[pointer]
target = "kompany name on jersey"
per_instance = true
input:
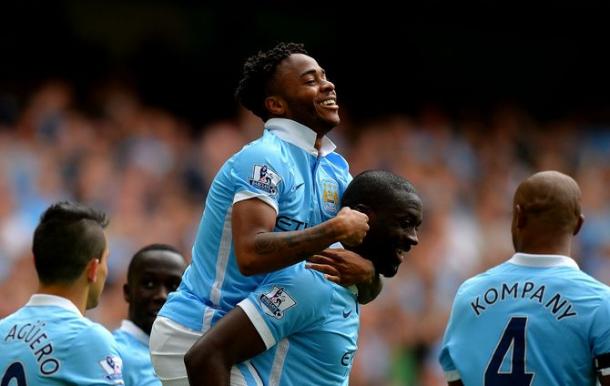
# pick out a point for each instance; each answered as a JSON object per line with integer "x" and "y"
{"x": 34, "y": 336}
{"x": 275, "y": 302}
{"x": 554, "y": 302}
{"x": 265, "y": 179}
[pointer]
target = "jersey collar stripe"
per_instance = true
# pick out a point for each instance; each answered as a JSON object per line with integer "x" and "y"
{"x": 44, "y": 300}
{"x": 299, "y": 135}
{"x": 130, "y": 327}
{"x": 543, "y": 261}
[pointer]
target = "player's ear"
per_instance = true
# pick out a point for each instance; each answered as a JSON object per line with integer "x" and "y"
{"x": 126, "y": 292}
{"x": 275, "y": 106}
{"x": 579, "y": 222}
{"x": 520, "y": 218}
{"x": 91, "y": 270}
{"x": 366, "y": 210}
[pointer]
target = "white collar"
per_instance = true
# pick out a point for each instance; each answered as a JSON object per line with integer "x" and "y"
{"x": 130, "y": 327}
{"x": 42, "y": 300}
{"x": 299, "y": 135}
{"x": 534, "y": 260}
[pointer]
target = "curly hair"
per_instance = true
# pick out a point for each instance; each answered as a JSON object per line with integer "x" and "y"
{"x": 256, "y": 74}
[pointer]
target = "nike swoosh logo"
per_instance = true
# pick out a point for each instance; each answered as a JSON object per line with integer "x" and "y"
{"x": 298, "y": 186}
{"x": 346, "y": 314}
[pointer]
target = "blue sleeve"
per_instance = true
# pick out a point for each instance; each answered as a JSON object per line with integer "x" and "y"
{"x": 96, "y": 359}
{"x": 600, "y": 329}
{"x": 286, "y": 304}
{"x": 261, "y": 172}
{"x": 445, "y": 358}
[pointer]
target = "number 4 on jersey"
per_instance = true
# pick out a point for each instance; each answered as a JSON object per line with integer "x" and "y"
{"x": 514, "y": 335}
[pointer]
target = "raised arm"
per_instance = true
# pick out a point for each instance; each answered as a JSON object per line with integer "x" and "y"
{"x": 260, "y": 250}
{"x": 232, "y": 340}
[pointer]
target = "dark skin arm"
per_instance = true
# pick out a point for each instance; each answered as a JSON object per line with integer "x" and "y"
{"x": 260, "y": 250}
{"x": 455, "y": 383}
{"x": 347, "y": 268}
{"x": 605, "y": 380}
{"x": 232, "y": 340}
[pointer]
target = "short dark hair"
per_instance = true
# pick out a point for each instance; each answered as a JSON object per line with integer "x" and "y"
{"x": 68, "y": 236}
{"x": 142, "y": 251}
{"x": 373, "y": 188}
{"x": 258, "y": 70}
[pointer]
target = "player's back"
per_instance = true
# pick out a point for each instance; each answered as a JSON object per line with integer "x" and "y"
{"x": 44, "y": 344}
{"x": 309, "y": 325}
{"x": 534, "y": 320}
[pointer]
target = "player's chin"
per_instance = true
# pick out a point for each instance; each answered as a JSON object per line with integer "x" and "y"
{"x": 389, "y": 270}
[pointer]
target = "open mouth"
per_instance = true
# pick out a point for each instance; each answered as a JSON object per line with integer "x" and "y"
{"x": 330, "y": 103}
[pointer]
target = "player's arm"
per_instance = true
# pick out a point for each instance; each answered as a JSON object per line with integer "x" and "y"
{"x": 232, "y": 340}
{"x": 602, "y": 366}
{"x": 455, "y": 383}
{"x": 347, "y": 268}
{"x": 260, "y": 250}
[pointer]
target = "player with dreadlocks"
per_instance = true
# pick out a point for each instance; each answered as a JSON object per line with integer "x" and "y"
{"x": 271, "y": 205}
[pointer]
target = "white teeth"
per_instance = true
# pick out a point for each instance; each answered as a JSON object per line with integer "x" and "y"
{"x": 329, "y": 102}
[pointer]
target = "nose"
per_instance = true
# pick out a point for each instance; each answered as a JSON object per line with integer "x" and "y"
{"x": 412, "y": 236}
{"x": 328, "y": 85}
{"x": 161, "y": 294}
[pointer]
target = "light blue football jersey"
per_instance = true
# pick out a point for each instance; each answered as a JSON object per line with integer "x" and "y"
{"x": 283, "y": 169}
{"x": 132, "y": 343}
{"x": 49, "y": 342}
{"x": 309, "y": 325}
{"x": 535, "y": 320}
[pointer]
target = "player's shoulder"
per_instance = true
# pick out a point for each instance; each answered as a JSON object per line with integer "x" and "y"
{"x": 95, "y": 333}
{"x": 307, "y": 285}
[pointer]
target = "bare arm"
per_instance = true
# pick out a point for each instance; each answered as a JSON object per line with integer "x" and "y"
{"x": 455, "y": 383}
{"x": 260, "y": 250}
{"x": 232, "y": 340}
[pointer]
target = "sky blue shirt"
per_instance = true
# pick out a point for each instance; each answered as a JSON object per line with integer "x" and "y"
{"x": 283, "y": 169}
{"x": 309, "y": 325}
{"x": 534, "y": 320}
{"x": 49, "y": 342}
{"x": 133, "y": 347}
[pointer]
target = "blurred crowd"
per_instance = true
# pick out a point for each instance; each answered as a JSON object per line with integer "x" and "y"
{"x": 149, "y": 170}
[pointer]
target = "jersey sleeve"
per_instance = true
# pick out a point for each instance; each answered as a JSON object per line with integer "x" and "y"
{"x": 260, "y": 172}
{"x": 96, "y": 359}
{"x": 600, "y": 329}
{"x": 445, "y": 359}
{"x": 283, "y": 305}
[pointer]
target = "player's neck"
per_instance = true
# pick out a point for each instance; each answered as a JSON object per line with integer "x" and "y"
{"x": 70, "y": 292}
{"x": 538, "y": 246}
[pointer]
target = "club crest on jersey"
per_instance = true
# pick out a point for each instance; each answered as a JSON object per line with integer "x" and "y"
{"x": 264, "y": 178}
{"x": 112, "y": 365}
{"x": 330, "y": 196}
{"x": 276, "y": 302}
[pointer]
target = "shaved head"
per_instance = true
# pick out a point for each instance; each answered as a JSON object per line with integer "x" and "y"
{"x": 547, "y": 205}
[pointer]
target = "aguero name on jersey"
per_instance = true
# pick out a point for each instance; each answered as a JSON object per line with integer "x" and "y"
{"x": 283, "y": 169}
{"x": 133, "y": 347}
{"x": 49, "y": 342}
{"x": 535, "y": 320}
{"x": 309, "y": 326}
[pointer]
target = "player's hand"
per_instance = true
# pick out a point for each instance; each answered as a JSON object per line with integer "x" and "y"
{"x": 353, "y": 225}
{"x": 342, "y": 266}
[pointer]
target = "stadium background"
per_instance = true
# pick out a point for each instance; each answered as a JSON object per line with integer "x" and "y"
{"x": 127, "y": 106}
